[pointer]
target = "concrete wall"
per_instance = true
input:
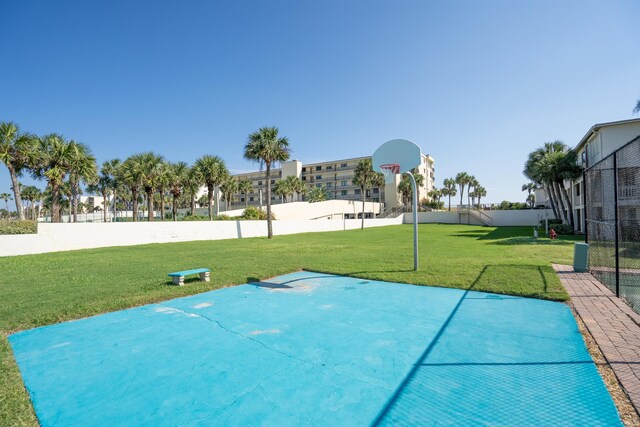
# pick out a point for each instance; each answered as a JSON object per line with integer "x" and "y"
{"x": 499, "y": 218}
{"x": 332, "y": 209}
{"x": 64, "y": 237}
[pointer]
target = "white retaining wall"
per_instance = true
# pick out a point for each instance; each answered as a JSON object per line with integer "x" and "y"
{"x": 64, "y": 237}
{"x": 500, "y": 218}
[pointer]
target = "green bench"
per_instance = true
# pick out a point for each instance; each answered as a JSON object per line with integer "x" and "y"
{"x": 178, "y": 276}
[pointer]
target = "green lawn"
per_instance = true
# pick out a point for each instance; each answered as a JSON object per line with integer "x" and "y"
{"x": 38, "y": 290}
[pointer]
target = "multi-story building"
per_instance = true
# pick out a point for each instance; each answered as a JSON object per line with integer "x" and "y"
{"x": 336, "y": 177}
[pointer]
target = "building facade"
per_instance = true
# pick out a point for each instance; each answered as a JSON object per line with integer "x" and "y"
{"x": 336, "y": 177}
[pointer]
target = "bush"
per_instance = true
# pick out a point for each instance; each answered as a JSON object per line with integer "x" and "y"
{"x": 562, "y": 228}
{"x": 18, "y": 227}
{"x": 255, "y": 213}
{"x": 195, "y": 218}
{"x": 552, "y": 222}
{"x": 223, "y": 217}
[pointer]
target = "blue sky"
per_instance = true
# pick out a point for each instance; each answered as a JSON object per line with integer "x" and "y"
{"x": 477, "y": 84}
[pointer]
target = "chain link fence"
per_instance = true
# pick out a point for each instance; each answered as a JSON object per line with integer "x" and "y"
{"x": 612, "y": 200}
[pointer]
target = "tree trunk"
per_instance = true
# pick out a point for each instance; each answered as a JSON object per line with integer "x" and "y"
{"x": 246, "y": 201}
{"x": 560, "y": 202}
{"x": 217, "y": 197}
{"x": 134, "y": 200}
{"x": 569, "y": 203}
{"x": 449, "y": 202}
{"x": 547, "y": 190}
{"x": 74, "y": 207}
{"x": 150, "y": 214}
{"x": 193, "y": 204}
{"x": 174, "y": 208}
{"x": 115, "y": 202}
{"x": 363, "y": 201}
{"x": 104, "y": 206}
{"x": 161, "y": 204}
{"x": 461, "y": 193}
{"x": 210, "y": 200}
{"x": 16, "y": 191}
{"x": 269, "y": 229}
{"x": 55, "y": 203}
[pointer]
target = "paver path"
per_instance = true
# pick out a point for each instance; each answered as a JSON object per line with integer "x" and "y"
{"x": 611, "y": 322}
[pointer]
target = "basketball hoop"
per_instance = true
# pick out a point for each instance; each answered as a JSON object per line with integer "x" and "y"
{"x": 390, "y": 170}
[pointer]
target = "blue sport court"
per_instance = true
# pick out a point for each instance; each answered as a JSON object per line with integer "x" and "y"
{"x": 317, "y": 349}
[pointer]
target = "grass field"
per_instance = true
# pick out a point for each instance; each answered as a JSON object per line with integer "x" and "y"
{"x": 38, "y": 290}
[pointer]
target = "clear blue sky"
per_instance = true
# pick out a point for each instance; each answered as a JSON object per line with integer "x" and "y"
{"x": 477, "y": 84}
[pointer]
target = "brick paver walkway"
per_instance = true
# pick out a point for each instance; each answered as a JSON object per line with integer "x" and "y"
{"x": 614, "y": 326}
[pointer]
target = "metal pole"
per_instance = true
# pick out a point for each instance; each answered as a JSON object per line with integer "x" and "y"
{"x": 615, "y": 205}
{"x": 415, "y": 220}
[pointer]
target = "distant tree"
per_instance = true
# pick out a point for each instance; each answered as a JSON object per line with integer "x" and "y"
{"x": 192, "y": 185}
{"x": 366, "y": 178}
{"x": 462, "y": 179}
{"x": 480, "y": 193}
{"x": 111, "y": 173}
{"x": 449, "y": 189}
{"x": 531, "y": 199}
{"x": 282, "y": 189}
{"x": 54, "y": 166}
{"x": 229, "y": 188}
{"x": 636, "y": 110}
{"x": 267, "y": 148}
{"x": 6, "y": 197}
{"x": 318, "y": 194}
{"x": 163, "y": 182}
{"x": 178, "y": 178}
{"x": 82, "y": 167}
{"x": 295, "y": 186}
{"x": 130, "y": 173}
{"x": 405, "y": 188}
{"x": 245, "y": 187}
{"x": 18, "y": 151}
{"x": 212, "y": 170}
{"x": 473, "y": 182}
{"x": 529, "y": 187}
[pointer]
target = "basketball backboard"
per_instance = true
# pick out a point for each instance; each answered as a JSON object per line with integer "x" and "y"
{"x": 401, "y": 152}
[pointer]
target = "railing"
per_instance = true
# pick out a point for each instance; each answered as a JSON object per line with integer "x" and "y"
{"x": 475, "y": 213}
{"x": 392, "y": 213}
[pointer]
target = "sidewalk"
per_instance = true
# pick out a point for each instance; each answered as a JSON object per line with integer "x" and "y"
{"x": 612, "y": 323}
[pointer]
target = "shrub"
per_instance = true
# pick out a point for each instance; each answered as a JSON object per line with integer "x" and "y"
{"x": 562, "y": 228}
{"x": 255, "y": 213}
{"x": 195, "y": 218}
{"x": 18, "y": 227}
{"x": 552, "y": 222}
{"x": 223, "y": 217}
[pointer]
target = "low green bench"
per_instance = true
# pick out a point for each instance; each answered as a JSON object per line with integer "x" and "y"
{"x": 178, "y": 276}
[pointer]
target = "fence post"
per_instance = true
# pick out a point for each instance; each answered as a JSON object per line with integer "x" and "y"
{"x": 584, "y": 206}
{"x": 615, "y": 204}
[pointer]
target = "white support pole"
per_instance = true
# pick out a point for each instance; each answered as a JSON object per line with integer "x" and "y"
{"x": 414, "y": 187}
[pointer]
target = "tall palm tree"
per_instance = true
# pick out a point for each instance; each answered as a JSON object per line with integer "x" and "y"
{"x": 229, "y": 188}
{"x": 462, "y": 179}
{"x": 480, "y": 193}
{"x": 406, "y": 189}
{"x": 212, "y": 170}
{"x": 192, "y": 184}
{"x": 57, "y": 155}
{"x": 111, "y": 170}
{"x": 29, "y": 193}
{"x": 365, "y": 178}
{"x": 529, "y": 187}
{"x": 130, "y": 174}
{"x": 473, "y": 182}
{"x": 282, "y": 188}
{"x": 318, "y": 194}
{"x": 245, "y": 187}
{"x": 102, "y": 186}
{"x": 296, "y": 185}
{"x": 449, "y": 189}
{"x": 163, "y": 182}
{"x": 6, "y": 197}
{"x": 267, "y": 148}
{"x": 177, "y": 179}
{"x": 82, "y": 167}
{"x": 18, "y": 151}
{"x": 151, "y": 166}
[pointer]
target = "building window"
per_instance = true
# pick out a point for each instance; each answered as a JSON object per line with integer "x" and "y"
{"x": 343, "y": 165}
{"x": 329, "y": 168}
{"x": 242, "y": 199}
{"x": 273, "y": 181}
{"x": 259, "y": 182}
{"x": 329, "y": 185}
{"x": 304, "y": 178}
{"x": 343, "y": 192}
{"x": 318, "y": 176}
{"x": 357, "y": 192}
{"x": 368, "y": 193}
{"x": 318, "y": 185}
{"x": 318, "y": 168}
{"x": 376, "y": 190}
{"x": 251, "y": 199}
{"x": 343, "y": 183}
{"x": 304, "y": 169}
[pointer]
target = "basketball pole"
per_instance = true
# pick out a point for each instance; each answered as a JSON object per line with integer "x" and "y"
{"x": 415, "y": 220}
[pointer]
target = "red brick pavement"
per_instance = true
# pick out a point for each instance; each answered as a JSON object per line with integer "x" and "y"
{"x": 611, "y": 322}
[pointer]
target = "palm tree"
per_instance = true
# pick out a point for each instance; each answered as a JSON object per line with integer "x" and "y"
{"x": 57, "y": 155}
{"x": 245, "y": 187}
{"x": 282, "y": 189}
{"x": 365, "y": 178}
{"x": 636, "y": 110}
{"x": 462, "y": 179}
{"x": 267, "y": 148}
{"x": 82, "y": 167}
{"x": 480, "y": 193}
{"x": 6, "y": 197}
{"x": 151, "y": 166}
{"x": 18, "y": 151}
{"x": 406, "y": 189}
{"x": 213, "y": 171}
{"x": 295, "y": 186}
{"x": 449, "y": 189}
{"x": 178, "y": 177}
{"x": 473, "y": 182}
{"x": 531, "y": 199}
{"x": 130, "y": 174}
{"x": 102, "y": 186}
{"x": 318, "y": 194}
{"x": 29, "y": 193}
{"x": 111, "y": 170}
{"x": 192, "y": 184}
{"x": 163, "y": 182}
{"x": 529, "y": 187}
{"x": 229, "y": 188}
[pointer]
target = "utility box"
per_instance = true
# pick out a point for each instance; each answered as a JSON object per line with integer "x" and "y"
{"x": 581, "y": 257}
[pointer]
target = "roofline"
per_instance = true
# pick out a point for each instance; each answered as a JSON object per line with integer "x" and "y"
{"x": 598, "y": 126}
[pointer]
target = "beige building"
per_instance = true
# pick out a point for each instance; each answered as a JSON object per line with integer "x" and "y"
{"x": 336, "y": 177}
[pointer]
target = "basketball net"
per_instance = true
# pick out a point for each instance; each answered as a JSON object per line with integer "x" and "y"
{"x": 390, "y": 170}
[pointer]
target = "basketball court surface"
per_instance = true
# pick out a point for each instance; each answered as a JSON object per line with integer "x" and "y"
{"x": 318, "y": 349}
